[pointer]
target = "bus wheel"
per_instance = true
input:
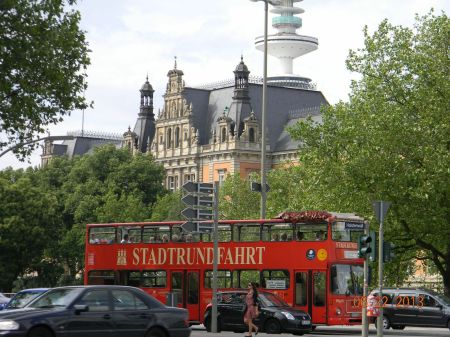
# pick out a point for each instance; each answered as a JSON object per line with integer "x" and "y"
{"x": 156, "y": 332}
{"x": 272, "y": 326}
{"x": 40, "y": 332}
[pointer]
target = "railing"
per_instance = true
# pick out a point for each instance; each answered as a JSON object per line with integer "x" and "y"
{"x": 95, "y": 134}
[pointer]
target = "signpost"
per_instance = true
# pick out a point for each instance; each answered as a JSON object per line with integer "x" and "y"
{"x": 202, "y": 199}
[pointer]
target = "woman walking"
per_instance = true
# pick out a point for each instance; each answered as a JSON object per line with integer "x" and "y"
{"x": 251, "y": 311}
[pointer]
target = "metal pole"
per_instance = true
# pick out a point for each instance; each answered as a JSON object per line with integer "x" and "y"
{"x": 365, "y": 322}
{"x": 263, "y": 117}
{"x": 380, "y": 274}
{"x": 215, "y": 256}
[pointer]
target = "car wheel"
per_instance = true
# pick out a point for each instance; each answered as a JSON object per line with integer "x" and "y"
{"x": 386, "y": 323}
{"x": 272, "y": 326}
{"x": 156, "y": 332}
{"x": 40, "y": 332}
{"x": 208, "y": 324}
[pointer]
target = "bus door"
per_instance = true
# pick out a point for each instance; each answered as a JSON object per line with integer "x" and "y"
{"x": 185, "y": 286}
{"x": 310, "y": 294}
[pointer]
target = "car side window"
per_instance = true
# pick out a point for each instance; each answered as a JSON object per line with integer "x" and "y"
{"x": 427, "y": 300}
{"x": 96, "y": 300}
{"x": 126, "y": 300}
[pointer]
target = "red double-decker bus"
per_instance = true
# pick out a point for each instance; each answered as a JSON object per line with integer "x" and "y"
{"x": 310, "y": 259}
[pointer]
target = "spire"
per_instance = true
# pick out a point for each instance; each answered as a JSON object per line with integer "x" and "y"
{"x": 241, "y": 81}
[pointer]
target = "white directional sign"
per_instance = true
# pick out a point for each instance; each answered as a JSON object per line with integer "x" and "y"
{"x": 199, "y": 198}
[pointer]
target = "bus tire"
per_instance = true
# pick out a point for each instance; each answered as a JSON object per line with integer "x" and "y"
{"x": 40, "y": 332}
{"x": 272, "y": 326}
{"x": 156, "y": 332}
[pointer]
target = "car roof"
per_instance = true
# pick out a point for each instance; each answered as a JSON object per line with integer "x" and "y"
{"x": 405, "y": 290}
{"x": 33, "y": 290}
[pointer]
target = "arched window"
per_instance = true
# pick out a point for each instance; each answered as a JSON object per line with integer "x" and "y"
{"x": 177, "y": 137}
{"x": 169, "y": 138}
{"x": 224, "y": 135}
{"x": 251, "y": 135}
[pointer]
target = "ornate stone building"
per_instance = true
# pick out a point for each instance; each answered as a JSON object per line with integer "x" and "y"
{"x": 203, "y": 134}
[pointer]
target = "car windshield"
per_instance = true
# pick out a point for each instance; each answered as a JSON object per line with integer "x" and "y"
{"x": 56, "y": 298}
{"x": 444, "y": 299}
{"x": 23, "y": 298}
{"x": 271, "y": 300}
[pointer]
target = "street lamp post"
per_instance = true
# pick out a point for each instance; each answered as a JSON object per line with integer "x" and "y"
{"x": 264, "y": 108}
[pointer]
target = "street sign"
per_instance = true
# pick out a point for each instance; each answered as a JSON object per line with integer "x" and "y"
{"x": 380, "y": 208}
{"x": 199, "y": 214}
{"x": 197, "y": 227}
{"x": 191, "y": 187}
{"x": 198, "y": 200}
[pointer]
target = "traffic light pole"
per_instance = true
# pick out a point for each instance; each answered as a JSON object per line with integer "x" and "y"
{"x": 365, "y": 322}
{"x": 215, "y": 256}
{"x": 380, "y": 274}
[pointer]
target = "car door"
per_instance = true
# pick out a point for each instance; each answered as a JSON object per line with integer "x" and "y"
{"x": 429, "y": 312}
{"x": 404, "y": 311}
{"x": 231, "y": 309}
{"x": 130, "y": 314}
{"x": 96, "y": 321}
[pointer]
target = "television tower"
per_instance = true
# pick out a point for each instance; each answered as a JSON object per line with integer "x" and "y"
{"x": 286, "y": 44}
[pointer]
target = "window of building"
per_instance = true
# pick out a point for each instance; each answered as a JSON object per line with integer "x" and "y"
{"x": 177, "y": 137}
{"x": 224, "y": 135}
{"x": 251, "y": 135}
{"x": 222, "y": 174}
{"x": 171, "y": 183}
{"x": 169, "y": 138}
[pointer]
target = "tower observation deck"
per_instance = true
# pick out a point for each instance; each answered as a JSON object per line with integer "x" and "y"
{"x": 286, "y": 44}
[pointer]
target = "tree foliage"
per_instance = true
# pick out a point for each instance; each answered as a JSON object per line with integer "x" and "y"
{"x": 45, "y": 211}
{"x": 391, "y": 140}
{"x": 43, "y": 61}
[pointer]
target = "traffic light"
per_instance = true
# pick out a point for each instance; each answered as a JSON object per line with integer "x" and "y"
{"x": 367, "y": 246}
{"x": 388, "y": 251}
{"x": 364, "y": 248}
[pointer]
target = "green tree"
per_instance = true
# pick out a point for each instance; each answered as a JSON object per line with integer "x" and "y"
{"x": 168, "y": 207}
{"x": 43, "y": 61}
{"x": 391, "y": 140}
{"x": 236, "y": 201}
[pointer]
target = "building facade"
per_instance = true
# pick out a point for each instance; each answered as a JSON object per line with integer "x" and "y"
{"x": 205, "y": 133}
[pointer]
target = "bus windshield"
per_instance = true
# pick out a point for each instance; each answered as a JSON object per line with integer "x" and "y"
{"x": 347, "y": 279}
{"x": 347, "y": 231}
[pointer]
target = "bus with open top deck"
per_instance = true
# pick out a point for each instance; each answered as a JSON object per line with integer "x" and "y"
{"x": 309, "y": 258}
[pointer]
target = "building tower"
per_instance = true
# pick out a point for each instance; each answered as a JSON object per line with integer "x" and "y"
{"x": 286, "y": 44}
{"x": 144, "y": 129}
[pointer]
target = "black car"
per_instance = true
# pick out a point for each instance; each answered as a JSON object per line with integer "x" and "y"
{"x": 95, "y": 311}
{"x": 410, "y": 307}
{"x": 275, "y": 316}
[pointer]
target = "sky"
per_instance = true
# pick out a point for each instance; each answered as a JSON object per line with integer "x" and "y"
{"x": 130, "y": 39}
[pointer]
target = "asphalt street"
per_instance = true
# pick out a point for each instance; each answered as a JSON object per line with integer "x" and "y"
{"x": 341, "y": 331}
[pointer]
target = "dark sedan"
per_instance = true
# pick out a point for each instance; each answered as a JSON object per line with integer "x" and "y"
{"x": 275, "y": 316}
{"x": 95, "y": 311}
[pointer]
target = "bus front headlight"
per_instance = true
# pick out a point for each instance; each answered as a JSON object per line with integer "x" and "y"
{"x": 6, "y": 325}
